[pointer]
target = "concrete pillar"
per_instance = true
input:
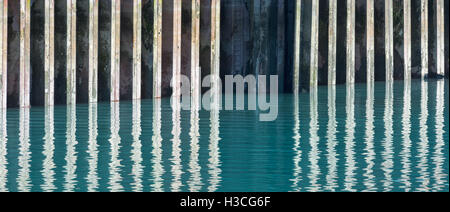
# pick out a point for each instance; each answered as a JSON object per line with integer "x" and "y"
{"x": 296, "y": 80}
{"x": 93, "y": 50}
{"x": 137, "y": 53}
{"x": 3, "y": 53}
{"x": 332, "y": 32}
{"x": 195, "y": 54}
{"x": 157, "y": 48}
{"x": 424, "y": 37}
{"x": 49, "y": 52}
{"x": 407, "y": 38}
{"x": 314, "y": 66}
{"x": 389, "y": 40}
{"x": 370, "y": 41}
{"x": 115, "y": 50}
{"x": 440, "y": 24}
{"x": 176, "y": 54}
{"x": 71, "y": 52}
{"x": 350, "y": 76}
{"x": 24, "y": 75}
{"x": 215, "y": 52}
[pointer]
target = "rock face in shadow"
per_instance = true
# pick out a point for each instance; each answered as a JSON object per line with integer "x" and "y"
{"x": 257, "y": 38}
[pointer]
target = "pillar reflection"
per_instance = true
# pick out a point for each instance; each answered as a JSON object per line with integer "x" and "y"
{"x": 158, "y": 168}
{"x": 297, "y": 150}
{"x": 214, "y": 151}
{"x": 23, "y": 179}
{"x": 369, "y": 150}
{"x": 314, "y": 141}
{"x": 423, "y": 145}
{"x": 3, "y": 151}
{"x": 350, "y": 164}
{"x": 176, "y": 149}
{"x": 71, "y": 155}
{"x": 438, "y": 158}
{"x": 136, "y": 156}
{"x": 406, "y": 131}
{"x": 388, "y": 153}
{"x": 331, "y": 140}
{"x": 195, "y": 181}
{"x": 114, "y": 165}
{"x": 92, "y": 177}
{"x": 49, "y": 151}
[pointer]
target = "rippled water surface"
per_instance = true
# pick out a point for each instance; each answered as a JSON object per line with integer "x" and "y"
{"x": 389, "y": 138}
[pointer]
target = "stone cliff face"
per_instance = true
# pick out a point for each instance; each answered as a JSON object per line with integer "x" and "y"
{"x": 257, "y": 37}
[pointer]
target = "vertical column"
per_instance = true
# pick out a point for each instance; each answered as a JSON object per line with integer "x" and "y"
{"x": 93, "y": 51}
{"x": 71, "y": 51}
{"x": 424, "y": 37}
{"x": 407, "y": 38}
{"x": 314, "y": 44}
{"x": 332, "y": 31}
{"x": 296, "y": 80}
{"x": 157, "y": 50}
{"x": 370, "y": 41}
{"x": 195, "y": 53}
{"x": 440, "y": 37}
{"x": 115, "y": 51}
{"x": 389, "y": 40}
{"x": 24, "y": 75}
{"x": 176, "y": 73}
{"x": 350, "y": 76}
{"x": 49, "y": 52}
{"x": 215, "y": 51}
{"x": 3, "y": 52}
{"x": 137, "y": 54}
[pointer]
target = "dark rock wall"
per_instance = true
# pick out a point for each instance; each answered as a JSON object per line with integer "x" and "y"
{"x": 257, "y": 37}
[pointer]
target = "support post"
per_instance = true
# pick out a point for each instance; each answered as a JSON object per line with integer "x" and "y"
{"x": 49, "y": 52}
{"x": 350, "y": 76}
{"x": 195, "y": 54}
{"x": 71, "y": 52}
{"x": 370, "y": 41}
{"x": 424, "y": 37}
{"x": 93, "y": 51}
{"x": 176, "y": 55}
{"x": 440, "y": 24}
{"x": 215, "y": 52}
{"x": 407, "y": 38}
{"x": 296, "y": 80}
{"x": 24, "y": 75}
{"x": 389, "y": 40}
{"x": 157, "y": 48}
{"x": 332, "y": 31}
{"x": 3, "y": 53}
{"x": 115, "y": 51}
{"x": 137, "y": 53}
{"x": 314, "y": 66}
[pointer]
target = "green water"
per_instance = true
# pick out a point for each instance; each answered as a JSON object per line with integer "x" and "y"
{"x": 354, "y": 140}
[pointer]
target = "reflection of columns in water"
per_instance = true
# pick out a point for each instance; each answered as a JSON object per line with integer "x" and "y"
{"x": 350, "y": 139}
{"x": 23, "y": 179}
{"x": 214, "y": 151}
{"x": 369, "y": 151}
{"x": 176, "y": 150}
{"x": 314, "y": 140}
{"x": 387, "y": 155}
{"x": 49, "y": 148}
{"x": 195, "y": 181}
{"x": 423, "y": 140}
{"x": 406, "y": 143}
{"x": 71, "y": 142}
{"x": 137, "y": 147}
{"x": 3, "y": 151}
{"x": 158, "y": 168}
{"x": 114, "y": 165}
{"x": 331, "y": 140}
{"x": 438, "y": 156}
{"x": 92, "y": 177}
{"x": 298, "y": 152}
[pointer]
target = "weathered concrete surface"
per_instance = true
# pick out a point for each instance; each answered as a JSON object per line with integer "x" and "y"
{"x": 3, "y": 52}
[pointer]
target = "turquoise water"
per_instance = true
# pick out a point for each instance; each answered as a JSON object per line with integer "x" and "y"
{"x": 342, "y": 139}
